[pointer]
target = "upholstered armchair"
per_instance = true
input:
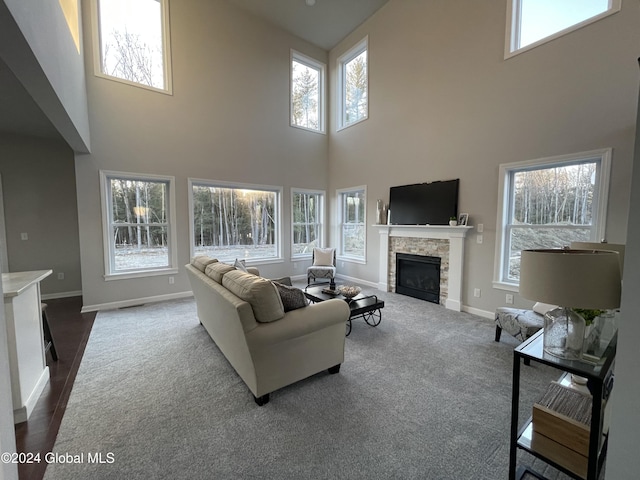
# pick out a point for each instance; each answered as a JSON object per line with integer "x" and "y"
{"x": 323, "y": 265}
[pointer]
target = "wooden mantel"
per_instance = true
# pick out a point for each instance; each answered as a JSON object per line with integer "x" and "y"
{"x": 455, "y": 235}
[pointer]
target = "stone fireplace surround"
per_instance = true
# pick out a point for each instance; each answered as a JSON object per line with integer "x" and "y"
{"x": 434, "y": 240}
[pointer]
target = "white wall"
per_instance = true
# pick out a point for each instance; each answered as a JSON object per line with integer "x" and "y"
{"x": 36, "y": 42}
{"x": 623, "y": 461}
{"x": 228, "y": 119}
{"x": 445, "y": 104}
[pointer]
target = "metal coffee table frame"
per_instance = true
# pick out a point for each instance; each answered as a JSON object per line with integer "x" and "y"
{"x": 367, "y": 307}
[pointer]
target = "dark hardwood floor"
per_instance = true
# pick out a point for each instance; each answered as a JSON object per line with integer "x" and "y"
{"x": 70, "y": 330}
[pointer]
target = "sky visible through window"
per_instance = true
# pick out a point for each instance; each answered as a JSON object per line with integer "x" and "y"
{"x": 543, "y": 18}
{"x": 131, "y": 40}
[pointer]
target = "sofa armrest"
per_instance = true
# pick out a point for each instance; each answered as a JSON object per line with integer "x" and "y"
{"x": 300, "y": 322}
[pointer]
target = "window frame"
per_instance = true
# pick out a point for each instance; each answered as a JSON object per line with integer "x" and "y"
{"x": 505, "y": 202}
{"x": 321, "y": 216}
{"x": 512, "y": 31}
{"x": 322, "y": 76}
{"x": 107, "y": 226}
{"x": 166, "y": 50}
{"x": 343, "y": 60}
{"x": 341, "y": 195}
{"x": 278, "y": 190}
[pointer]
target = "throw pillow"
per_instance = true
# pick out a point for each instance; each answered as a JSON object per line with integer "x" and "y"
{"x": 323, "y": 257}
{"x": 240, "y": 265}
{"x": 292, "y": 297}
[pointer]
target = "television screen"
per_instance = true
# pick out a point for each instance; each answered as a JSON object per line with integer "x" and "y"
{"x": 431, "y": 203}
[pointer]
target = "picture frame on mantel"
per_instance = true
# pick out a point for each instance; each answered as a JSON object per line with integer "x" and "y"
{"x": 463, "y": 218}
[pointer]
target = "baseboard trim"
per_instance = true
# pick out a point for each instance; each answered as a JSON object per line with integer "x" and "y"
{"x": 49, "y": 296}
{"x": 135, "y": 301}
{"x": 479, "y": 312}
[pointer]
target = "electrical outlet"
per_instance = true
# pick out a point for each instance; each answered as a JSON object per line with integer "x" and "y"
{"x": 476, "y": 292}
{"x": 509, "y": 299}
{"x": 24, "y": 236}
{"x": 60, "y": 275}
{"x": 479, "y": 238}
{"x": 171, "y": 280}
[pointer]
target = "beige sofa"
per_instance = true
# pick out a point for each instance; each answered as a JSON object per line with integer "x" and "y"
{"x": 268, "y": 347}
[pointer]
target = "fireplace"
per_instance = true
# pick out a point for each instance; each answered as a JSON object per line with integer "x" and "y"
{"x": 418, "y": 276}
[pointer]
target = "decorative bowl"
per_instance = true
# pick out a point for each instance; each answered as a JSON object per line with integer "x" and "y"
{"x": 349, "y": 291}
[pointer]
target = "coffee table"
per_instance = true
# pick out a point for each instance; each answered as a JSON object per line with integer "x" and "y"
{"x": 367, "y": 307}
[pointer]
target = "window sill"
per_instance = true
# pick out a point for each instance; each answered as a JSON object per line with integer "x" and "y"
{"x": 140, "y": 274}
{"x": 510, "y": 287}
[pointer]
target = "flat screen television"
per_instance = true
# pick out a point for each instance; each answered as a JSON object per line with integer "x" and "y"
{"x": 431, "y": 203}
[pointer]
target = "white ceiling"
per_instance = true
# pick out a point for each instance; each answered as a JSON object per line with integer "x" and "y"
{"x": 324, "y": 24}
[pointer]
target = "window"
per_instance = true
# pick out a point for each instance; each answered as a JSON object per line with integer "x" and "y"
{"x": 533, "y": 22}
{"x": 353, "y": 85}
{"x": 307, "y": 221}
{"x": 132, "y": 42}
{"x": 352, "y": 215}
{"x": 139, "y": 232}
{"x": 549, "y": 203}
{"x": 232, "y": 221}
{"x": 307, "y": 93}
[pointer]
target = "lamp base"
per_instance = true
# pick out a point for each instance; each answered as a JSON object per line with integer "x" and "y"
{"x": 563, "y": 333}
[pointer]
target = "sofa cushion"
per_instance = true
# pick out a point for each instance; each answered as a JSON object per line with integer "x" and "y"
{"x": 216, "y": 270}
{"x": 201, "y": 262}
{"x": 259, "y": 292}
{"x": 292, "y": 297}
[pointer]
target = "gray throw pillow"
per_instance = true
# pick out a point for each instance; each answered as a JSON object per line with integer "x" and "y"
{"x": 292, "y": 297}
{"x": 241, "y": 265}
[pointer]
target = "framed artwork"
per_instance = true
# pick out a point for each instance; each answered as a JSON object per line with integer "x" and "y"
{"x": 463, "y": 218}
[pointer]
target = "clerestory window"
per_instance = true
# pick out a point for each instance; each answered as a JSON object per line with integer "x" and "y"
{"x": 533, "y": 22}
{"x": 132, "y": 42}
{"x": 307, "y": 93}
{"x": 353, "y": 85}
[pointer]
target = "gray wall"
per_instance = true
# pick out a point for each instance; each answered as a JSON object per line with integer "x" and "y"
{"x": 228, "y": 119}
{"x": 39, "y": 193}
{"x": 37, "y": 45}
{"x": 623, "y": 460}
{"x": 445, "y": 104}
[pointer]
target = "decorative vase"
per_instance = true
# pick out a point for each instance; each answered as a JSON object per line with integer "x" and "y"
{"x": 382, "y": 214}
{"x": 598, "y": 335}
{"x": 563, "y": 333}
{"x": 453, "y": 223}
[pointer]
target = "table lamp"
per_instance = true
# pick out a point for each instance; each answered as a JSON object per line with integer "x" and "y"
{"x": 586, "y": 279}
{"x": 616, "y": 247}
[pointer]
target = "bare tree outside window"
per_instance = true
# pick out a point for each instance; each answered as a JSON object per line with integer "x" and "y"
{"x": 305, "y": 96}
{"x": 131, "y": 41}
{"x": 356, "y": 88}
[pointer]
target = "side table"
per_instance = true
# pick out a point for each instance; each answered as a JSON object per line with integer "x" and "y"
{"x": 599, "y": 381}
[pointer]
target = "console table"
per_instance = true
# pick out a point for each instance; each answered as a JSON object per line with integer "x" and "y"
{"x": 599, "y": 382}
{"x": 27, "y": 362}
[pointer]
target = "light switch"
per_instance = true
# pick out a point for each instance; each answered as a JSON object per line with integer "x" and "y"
{"x": 24, "y": 236}
{"x": 480, "y": 227}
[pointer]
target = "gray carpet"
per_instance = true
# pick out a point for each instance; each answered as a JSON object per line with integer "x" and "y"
{"x": 427, "y": 394}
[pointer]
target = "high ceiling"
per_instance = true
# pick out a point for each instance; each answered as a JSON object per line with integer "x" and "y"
{"x": 323, "y": 24}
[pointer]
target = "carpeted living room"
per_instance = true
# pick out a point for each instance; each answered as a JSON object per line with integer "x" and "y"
{"x": 224, "y": 152}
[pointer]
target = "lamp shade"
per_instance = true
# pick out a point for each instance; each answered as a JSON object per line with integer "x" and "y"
{"x": 614, "y": 247}
{"x": 588, "y": 279}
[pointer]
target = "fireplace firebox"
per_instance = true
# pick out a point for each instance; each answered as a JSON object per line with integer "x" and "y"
{"x": 418, "y": 276}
